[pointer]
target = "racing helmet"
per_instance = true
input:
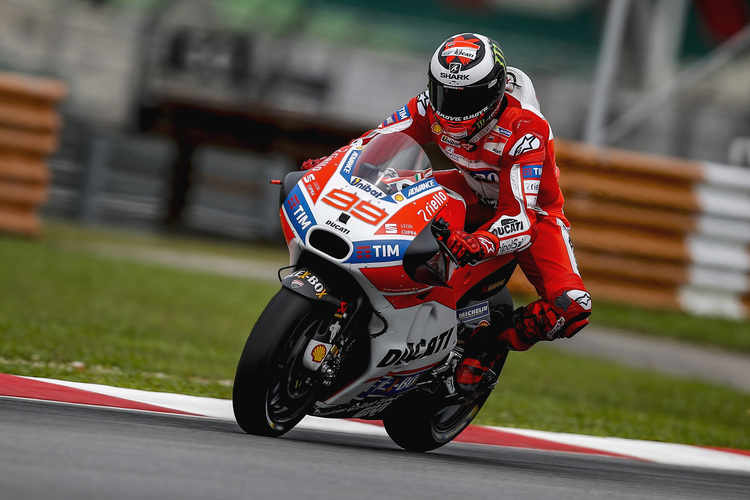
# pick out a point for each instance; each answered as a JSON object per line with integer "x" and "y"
{"x": 466, "y": 83}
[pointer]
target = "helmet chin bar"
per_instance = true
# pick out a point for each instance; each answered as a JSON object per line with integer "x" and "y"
{"x": 465, "y": 130}
{"x": 455, "y": 130}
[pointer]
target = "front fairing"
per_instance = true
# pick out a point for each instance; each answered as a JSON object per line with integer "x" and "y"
{"x": 363, "y": 206}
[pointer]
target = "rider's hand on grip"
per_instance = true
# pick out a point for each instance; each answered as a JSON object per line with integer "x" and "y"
{"x": 464, "y": 246}
{"x": 311, "y": 163}
{"x": 469, "y": 248}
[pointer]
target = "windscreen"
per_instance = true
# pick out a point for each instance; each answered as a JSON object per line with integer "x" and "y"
{"x": 390, "y": 157}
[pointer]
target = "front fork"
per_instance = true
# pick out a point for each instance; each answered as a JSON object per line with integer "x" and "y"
{"x": 328, "y": 346}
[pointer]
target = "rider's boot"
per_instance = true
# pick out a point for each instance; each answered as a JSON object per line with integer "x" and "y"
{"x": 480, "y": 354}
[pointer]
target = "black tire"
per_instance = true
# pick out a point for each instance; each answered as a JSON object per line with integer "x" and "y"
{"x": 272, "y": 390}
{"x": 423, "y": 421}
{"x": 419, "y": 423}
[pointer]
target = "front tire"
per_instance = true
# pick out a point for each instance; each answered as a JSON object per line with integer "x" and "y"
{"x": 273, "y": 391}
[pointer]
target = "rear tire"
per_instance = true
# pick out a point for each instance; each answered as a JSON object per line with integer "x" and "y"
{"x": 422, "y": 424}
{"x": 424, "y": 421}
{"x": 273, "y": 391}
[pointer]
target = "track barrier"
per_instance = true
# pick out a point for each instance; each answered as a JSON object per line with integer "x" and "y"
{"x": 657, "y": 232}
{"x": 29, "y": 133}
{"x": 649, "y": 230}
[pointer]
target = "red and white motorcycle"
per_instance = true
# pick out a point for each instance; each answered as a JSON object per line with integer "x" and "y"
{"x": 373, "y": 312}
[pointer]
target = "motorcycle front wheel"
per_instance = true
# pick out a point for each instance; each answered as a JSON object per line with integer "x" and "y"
{"x": 272, "y": 390}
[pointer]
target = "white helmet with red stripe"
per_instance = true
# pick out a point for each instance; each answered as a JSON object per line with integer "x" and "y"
{"x": 466, "y": 83}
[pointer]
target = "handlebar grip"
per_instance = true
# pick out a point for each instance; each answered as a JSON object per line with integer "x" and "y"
{"x": 441, "y": 232}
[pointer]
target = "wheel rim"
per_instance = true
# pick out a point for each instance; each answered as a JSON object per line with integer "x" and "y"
{"x": 292, "y": 390}
{"x": 451, "y": 420}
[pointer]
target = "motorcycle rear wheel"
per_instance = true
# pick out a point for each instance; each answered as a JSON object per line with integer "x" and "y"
{"x": 273, "y": 391}
{"x": 420, "y": 423}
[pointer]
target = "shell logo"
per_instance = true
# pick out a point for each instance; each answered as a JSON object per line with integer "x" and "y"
{"x": 484, "y": 323}
{"x": 318, "y": 353}
{"x": 437, "y": 128}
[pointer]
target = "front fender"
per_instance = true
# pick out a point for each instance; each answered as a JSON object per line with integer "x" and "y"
{"x": 309, "y": 284}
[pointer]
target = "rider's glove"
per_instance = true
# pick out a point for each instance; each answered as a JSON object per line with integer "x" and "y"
{"x": 311, "y": 163}
{"x": 472, "y": 247}
{"x": 562, "y": 317}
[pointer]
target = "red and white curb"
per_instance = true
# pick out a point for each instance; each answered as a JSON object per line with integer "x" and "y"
{"x": 132, "y": 399}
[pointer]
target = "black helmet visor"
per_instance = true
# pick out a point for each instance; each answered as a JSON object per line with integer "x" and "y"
{"x": 461, "y": 103}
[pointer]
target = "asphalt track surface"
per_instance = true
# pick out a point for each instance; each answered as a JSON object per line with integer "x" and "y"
{"x": 61, "y": 451}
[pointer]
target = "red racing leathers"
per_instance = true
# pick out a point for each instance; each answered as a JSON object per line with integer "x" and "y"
{"x": 508, "y": 177}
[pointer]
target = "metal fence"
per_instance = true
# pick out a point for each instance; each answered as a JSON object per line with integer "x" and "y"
{"x": 123, "y": 180}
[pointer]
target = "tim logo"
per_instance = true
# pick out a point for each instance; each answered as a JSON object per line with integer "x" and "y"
{"x": 532, "y": 172}
{"x": 378, "y": 251}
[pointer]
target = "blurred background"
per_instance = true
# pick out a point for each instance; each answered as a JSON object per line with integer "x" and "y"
{"x": 168, "y": 118}
{"x": 177, "y": 112}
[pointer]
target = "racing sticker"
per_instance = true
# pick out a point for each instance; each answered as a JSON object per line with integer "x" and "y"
{"x": 474, "y": 312}
{"x": 495, "y": 143}
{"x": 315, "y": 180}
{"x": 351, "y": 160}
{"x": 299, "y": 279}
{"x": 418, "y": 350}
{"x": 420, "y": 187}
{"x": 506, "y": 226}
{"x": 353, "y": 205}
{"x": 400, "y": 120}
{"x": 405, "y": 228}
{"x": 531, "y": 175}
{"x": 582, "y": 298}
{"x": 423, "y": 102}
{"x": 528, "y": 142}
{"x": 378, "y": 251}
{"x": 298, "y": 212}
{"x": 392, "y": 384}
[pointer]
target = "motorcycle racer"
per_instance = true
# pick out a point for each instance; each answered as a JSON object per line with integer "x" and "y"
{"x": 485, "y": 118}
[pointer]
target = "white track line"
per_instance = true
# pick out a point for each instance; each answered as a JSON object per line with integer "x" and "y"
{"x": 666, "y": 453}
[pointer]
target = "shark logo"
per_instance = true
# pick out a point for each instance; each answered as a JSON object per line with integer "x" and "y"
{"x": 526, "y": 143}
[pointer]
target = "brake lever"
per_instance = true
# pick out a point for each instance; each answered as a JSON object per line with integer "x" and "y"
{"x": 441, "y": 232}
{"x": 447, "y": 251}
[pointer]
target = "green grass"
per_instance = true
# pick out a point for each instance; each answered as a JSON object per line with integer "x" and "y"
{"x": 67, "y": 313}
{"x": 65, "y": 235}
{"x": 544, "y": 389}
{"x": 121, "y": 319}
{"x": 721, "y": 332}
{"x": 703, "y": 330}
